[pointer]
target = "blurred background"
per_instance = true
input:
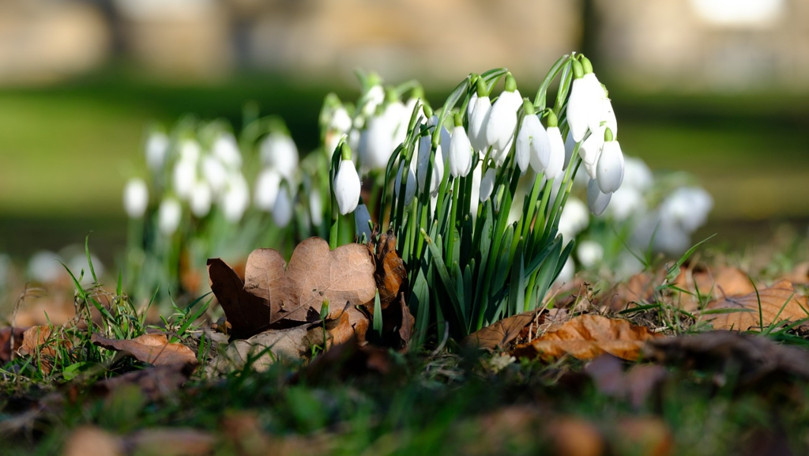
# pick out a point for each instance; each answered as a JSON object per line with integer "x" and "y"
{"x": 717, "y": 88}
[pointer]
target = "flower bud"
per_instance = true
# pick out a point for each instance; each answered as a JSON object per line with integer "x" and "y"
{"x": 157, "y": 148}
{"x": 610, "y": 170}
{"x": 226, "y": 150}
{"x": 267, "y": 186}
{"x": 136, "y": 198}
{"x": 236, "y": 198}
{"x": 347, "y": 185}
{"x": 168, "y": 216}
{"x": 200, "y": 199}
{"x": 279, "y": 151}
{"x": 460, "y": 152}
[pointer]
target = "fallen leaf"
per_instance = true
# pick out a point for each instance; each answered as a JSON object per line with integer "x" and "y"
{"x": 266, "y": 348}
{"x": 774, "y": 304}
{"x": 587, "y": 336}
{"x": 639, "y": 288}
{"x": 271, "y": 294}
{"x": 154, "y": 382}
{"x": 642, "y": 435}
{"x": 92, "y": 440}
{"x": 10, "y": 342}
{"x": 799, "y": 274}
{"x": 575, "y": 436}
{"x": 397, "y": 325}
{"x": 150, "y": 348}
{"x": 390, "y": 273}
{"x": 501, "y": 333}
{"x": 752, "y": 356}
{"x": 347, "y": 360}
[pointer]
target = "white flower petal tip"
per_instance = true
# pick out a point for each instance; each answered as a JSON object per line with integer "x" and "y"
{"x": 610, "y": 168}
{"x": 597, "y": 200}
{"x": 347, "y": 187}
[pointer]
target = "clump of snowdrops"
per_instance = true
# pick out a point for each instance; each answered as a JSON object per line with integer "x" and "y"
{"x": 474, "y": 189}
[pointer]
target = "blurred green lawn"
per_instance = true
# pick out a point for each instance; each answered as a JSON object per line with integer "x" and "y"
{"x": 66, "y": 151}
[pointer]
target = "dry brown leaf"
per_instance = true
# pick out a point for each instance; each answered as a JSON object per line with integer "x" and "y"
{"x": 775, "y": 304}
{"x": 586, "y": 337}
{"x": 92, "y": 440}
{"x": 155, "y": 382}
{"x": 397, "y": 325}
{"x": 501, "y": 333}
{"x": 639, "y": 288}
{"x": 150, "y": 348}
{"x": 575, "y": 436}
{"x": 390, "y": 273}
{"x": 271, "y": 294}
{"x": 799, "y": 274}
{"x": 753, "y": 357}
{"x": 10, "y": 342}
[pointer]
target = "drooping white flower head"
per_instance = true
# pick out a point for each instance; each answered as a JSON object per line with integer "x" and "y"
{"x": 373, "y": 96}
{"x": 278, "y": 151}
{"x": 347, "y": 183}
{"x": 460, "y": 151}
{"x": 532, "y": 146}
{"x": 585, "y": 106}
{"x": 636, "y": 174}
{"x": 626, "y": 202}
{"x": 168, "y": 215}
{"x": 556, "y": 156}
{"x": 185, "y": 169}
{"x": 200, "y": 199}
{"x": 267, "y": 186}
{"x": 282, "y": 210}
{"x": 362, "y": 223}
{"x": 688, "y": 207}
{"x": 590, "y": 253}
{"x": 573, "y": 219}
{"x": 315, "y": 207}
{"x": 236, "y": 198}
{"x": 384, "y": 131}
{"x": 410, "y": 183}
{"x": 226, "y": 150}
{"x": 136, "y": 198}
{"x": 215, "y": 173}
{"x": 596, "y": 199}
{"x": 479, "y": 118}
{"x": 487, "y": 184}
{"x": 610, "y": 169}
{"x": 157, "y": 149}
{"x": 502, "y": 121}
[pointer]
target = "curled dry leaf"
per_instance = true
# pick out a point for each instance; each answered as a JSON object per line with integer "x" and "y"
{"x": 272, "y": 295}
{"x": 587, "y": 336}
{"x": 150, "y": 348}
{"x": 501, "y": 333}
{"x": 759, "y": 309}
{"x": 390, "y": 273}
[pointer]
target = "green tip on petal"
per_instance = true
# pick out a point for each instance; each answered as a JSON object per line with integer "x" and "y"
{"x": 373, "y": 79}
{"x": 578, "y": 71}
{"x": 345, "y": 151}
{"x": 417, "y": 92}
{"x": 586, "y": 65}
{"x": 552, "y": 120}
{"x": 483, "y": 91}
{"x": 608, "y": 136}
{"x": 457, "y": 119}
{"x": 390, "y": 95}
{"x": 511, "y": 83}
{"x": 528, "y": 107}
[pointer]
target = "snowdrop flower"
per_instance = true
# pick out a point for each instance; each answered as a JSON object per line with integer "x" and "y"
{"x": 378, "y": 140}
{"x": 636, "y": 174}
{"x": 214, "y": 172}
{"x": 226, "y": 150}
{"x": 566, "y": 274}
{"x": 502, "y": 121}
{"x": 460, "y": 151}
{"x": 200, "y": 199}
{"x": 590, "y": 253}
{"x": 185, "y": 170}
{"x": 168, "y": 216}
{"x": 410, "y": 184}
{"x": 157, "y": 148}
{"x": 480, "y": 118}
{"x": 267, "y": 186}
{"x": 45, "y": 266}
{"x": 347, "y": 183}
{"x": 315, "y": 207}
{"x": 532, "y": 141}
{"x": 362, "y": 223}
{"x": 556, "y": 154}
{"x": 476, "y": 181}
{"x": 687, "y": 207}
{"x": 278, "y": 151}
{"x": 136, "y": 198}
{"x": 573, "y": 219}
{"x": 596, "y": 199}
{"x": 340, "y": 120}
{"x": 373, "y": 97}
{"x": 610, "y": 168}
{"x": 663, "y": 234}
{"x": 236, "y": 198}
{"x": 487, "y": 184}
{"x": 78, "y": 265}
{"x": 625, "y": 202}
{"x": 570, "y": 145}
{"x": 282, "y": 209}
{"x": 590, "y": 152}
{"x": 585, "y": 107}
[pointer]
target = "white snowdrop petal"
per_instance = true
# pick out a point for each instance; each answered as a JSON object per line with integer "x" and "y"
{"x": 267, "y": 186}
{"x": 168, "y": 216}
{"x": 556, "y": 153}
{"x": 597, "y": 201}
{"x": 487, "y": 184}
{"x": 200, "y": 199}
{"x": 610, "y": 169}
{"x": 282, "y": 210}
{"x": 460, "y": 153}
{"x": 347, "y": 187}
{"x": 136, "y": 198}
{"x": 477, "y": 123}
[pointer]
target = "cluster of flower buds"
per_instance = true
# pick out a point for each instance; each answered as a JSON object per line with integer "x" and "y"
{"x": 279, "y": 177}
